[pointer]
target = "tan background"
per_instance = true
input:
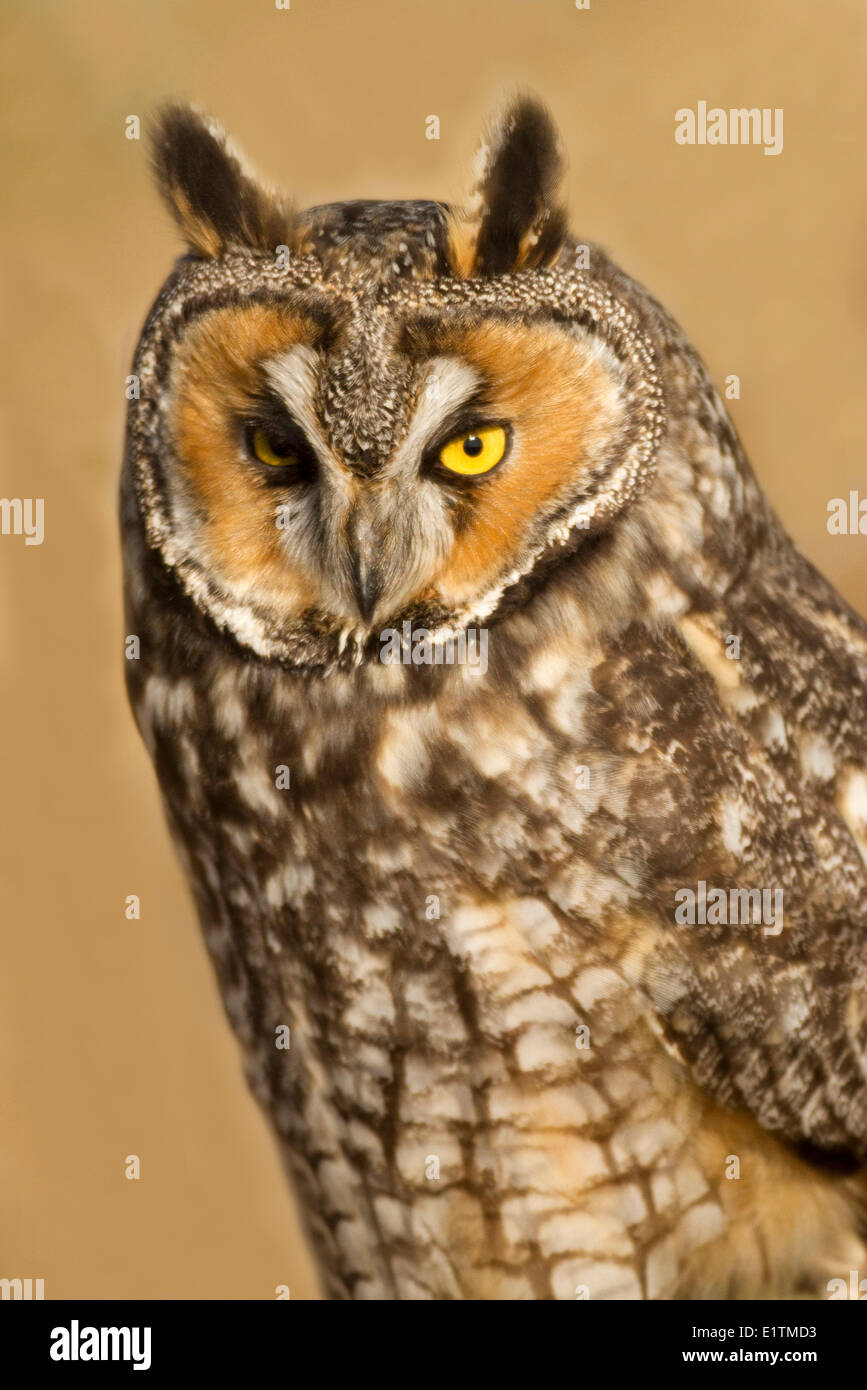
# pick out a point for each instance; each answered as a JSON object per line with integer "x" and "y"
{"x": 113, "y": 1040}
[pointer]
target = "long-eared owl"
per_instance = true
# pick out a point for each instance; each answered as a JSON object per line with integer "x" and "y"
{"x": 516, "y": 758}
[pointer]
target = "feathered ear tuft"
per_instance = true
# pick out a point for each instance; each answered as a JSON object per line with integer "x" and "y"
{"x": 516, "y": 220}
{"x": 216, "y": 203}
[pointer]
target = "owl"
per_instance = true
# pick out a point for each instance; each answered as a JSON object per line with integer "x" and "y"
{"x": 516, "y": 758}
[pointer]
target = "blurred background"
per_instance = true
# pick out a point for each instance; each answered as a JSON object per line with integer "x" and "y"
{"x": 113, "y": 1039}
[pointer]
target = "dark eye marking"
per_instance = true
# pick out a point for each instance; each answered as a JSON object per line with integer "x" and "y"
{"x": 278, "y": 446}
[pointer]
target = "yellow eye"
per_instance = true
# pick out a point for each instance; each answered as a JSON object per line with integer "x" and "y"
{"x": 474, "y": 453}
{"x": 265, "y": 452}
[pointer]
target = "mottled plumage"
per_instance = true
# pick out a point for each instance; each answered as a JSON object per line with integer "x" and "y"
{"x": 513, "y": 1072}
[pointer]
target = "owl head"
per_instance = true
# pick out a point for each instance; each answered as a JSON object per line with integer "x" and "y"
{"x": 369, "y": 412}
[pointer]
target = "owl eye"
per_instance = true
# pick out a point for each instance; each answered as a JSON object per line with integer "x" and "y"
{"x": 475, "y": 452}
{"x": 274, "y": 452}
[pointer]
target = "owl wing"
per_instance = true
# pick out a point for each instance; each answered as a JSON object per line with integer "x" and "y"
{"x": 746, "y": 808}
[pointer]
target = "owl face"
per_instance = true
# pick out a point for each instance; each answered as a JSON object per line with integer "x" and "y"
{"x": 370, "y": 412}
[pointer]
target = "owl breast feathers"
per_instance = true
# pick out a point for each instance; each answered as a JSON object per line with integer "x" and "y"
{"x": 516, "y": 758}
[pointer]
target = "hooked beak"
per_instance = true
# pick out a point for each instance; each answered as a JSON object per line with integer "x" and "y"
{"x": 365, "y": 572}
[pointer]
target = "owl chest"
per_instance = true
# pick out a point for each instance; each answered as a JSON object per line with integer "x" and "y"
{"x": 461, "y": 1060}
{"x": 469, "y": 1101}
{"x": 468, "y": 1080}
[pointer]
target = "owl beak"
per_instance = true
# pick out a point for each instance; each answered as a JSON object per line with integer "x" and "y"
{"x": 366, "y": 584}
{"x": 365, "y": 572}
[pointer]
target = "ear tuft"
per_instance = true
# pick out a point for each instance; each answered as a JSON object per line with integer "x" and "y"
{"x": 516, "y": 220}
{"x": 215, "y": 201}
